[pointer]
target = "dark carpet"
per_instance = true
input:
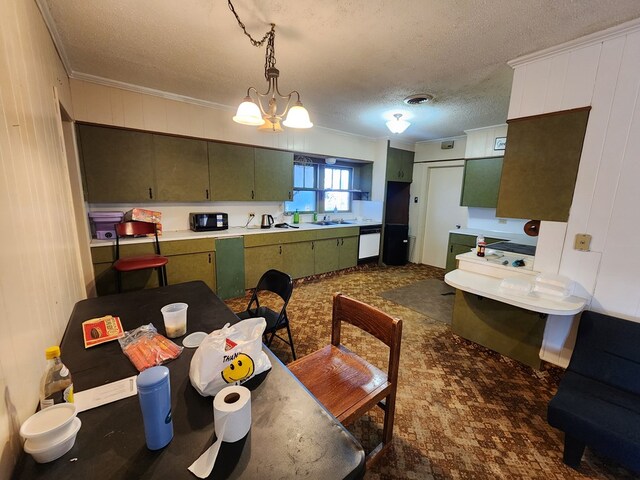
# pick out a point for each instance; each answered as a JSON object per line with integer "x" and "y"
{"x": 432, "y": 297}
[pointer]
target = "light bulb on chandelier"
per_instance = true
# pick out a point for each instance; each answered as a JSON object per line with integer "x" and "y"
{"x": 252, "y": 112}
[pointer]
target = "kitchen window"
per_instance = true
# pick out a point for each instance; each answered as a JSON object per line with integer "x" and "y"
{"x": 320, "y": 188}
{"x": 337, "y": 183}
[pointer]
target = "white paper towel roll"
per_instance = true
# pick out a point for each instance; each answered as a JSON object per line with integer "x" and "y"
{"x": 232, "y": 421}
{"x": 232, "y": 409}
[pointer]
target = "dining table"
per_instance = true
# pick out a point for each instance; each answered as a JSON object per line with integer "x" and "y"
{"x": 291, "y": 436}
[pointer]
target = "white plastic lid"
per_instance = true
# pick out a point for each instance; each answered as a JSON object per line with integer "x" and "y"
{"x": 194, "y": 339}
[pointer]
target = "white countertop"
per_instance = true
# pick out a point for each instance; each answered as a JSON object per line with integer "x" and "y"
{"x": 232, "y": 232}
{"x": 494, "y": 259}
{"x": 513, "y": 237}
{"x": 489, "y": 287}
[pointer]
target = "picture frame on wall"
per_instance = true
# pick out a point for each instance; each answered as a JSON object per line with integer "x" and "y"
{"x": 500, "y": 143}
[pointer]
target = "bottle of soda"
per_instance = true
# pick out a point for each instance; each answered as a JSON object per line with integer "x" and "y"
{"x": 480, "y": 245}
{"x": 56, "y": 385}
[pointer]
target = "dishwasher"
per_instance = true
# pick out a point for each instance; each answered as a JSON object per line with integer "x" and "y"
{"x": 369, "y": 246}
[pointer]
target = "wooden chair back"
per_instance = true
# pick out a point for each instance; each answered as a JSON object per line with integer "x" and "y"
{"x": 379, "y": 324}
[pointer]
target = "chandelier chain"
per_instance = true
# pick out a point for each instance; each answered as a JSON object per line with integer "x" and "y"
{"x": 269, "y": 38}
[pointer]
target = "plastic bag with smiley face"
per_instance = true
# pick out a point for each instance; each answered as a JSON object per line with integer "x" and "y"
{"x": 229, "y": 356}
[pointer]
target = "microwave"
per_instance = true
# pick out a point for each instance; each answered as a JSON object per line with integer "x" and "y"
{"x": 204, "y": 222}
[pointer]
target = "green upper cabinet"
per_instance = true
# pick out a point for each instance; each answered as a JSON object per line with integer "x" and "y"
{"x": 125, "y": 166}
{"x": 481, "y": 182}
{"x": 273, "y": 175}
{"x": 541, "y": 165}
{"x": 399, "y": 165}
{"x": 249, "y": 173}
{"x": 231, "y": 170}
{"x": 118, "y": 164}
{"x": 182, "y": 169}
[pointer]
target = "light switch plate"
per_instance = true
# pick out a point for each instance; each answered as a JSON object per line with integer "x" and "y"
{"x": 583, "y": 242}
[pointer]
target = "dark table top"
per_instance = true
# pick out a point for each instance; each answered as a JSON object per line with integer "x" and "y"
{"x": 292, "y": 435}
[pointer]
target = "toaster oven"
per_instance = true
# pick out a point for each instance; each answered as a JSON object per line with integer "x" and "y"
{"x": 204, "y": 222}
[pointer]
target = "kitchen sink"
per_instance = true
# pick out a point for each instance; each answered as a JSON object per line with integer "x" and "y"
{"x": 323, "y": 222}
{"x": 340, "y": 222}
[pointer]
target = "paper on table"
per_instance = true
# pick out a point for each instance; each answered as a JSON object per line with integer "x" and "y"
{"x": 95, "y": 397}
{"x": 202, "y": 467}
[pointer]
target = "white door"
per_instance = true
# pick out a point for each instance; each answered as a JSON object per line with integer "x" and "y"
{"x": 443, "y": 212}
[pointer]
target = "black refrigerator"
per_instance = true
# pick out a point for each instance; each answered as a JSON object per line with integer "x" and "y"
{"x": 396, "y": 244}
{"x": 395, "y": 250}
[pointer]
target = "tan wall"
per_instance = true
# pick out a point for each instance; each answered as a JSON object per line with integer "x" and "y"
{"x": 40, "y": 277}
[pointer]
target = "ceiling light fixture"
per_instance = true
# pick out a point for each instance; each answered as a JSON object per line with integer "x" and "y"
{"x": 397, "y": 125}
{"x": 251, "y": 111}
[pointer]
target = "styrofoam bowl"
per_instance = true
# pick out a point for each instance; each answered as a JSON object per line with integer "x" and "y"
{"x": 47, "y": 426}
{"x": 55, "y": 449}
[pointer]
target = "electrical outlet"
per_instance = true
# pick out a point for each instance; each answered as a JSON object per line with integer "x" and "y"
{"x": 251, "y": 214}
{"x": 583, "y": 242}
{"x": 502, "y": 221}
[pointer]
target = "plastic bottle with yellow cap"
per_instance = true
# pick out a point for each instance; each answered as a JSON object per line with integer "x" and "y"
{"x": 56, "y": 385}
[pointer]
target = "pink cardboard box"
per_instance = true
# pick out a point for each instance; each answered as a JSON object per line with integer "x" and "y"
{"x": 142, "y": 215}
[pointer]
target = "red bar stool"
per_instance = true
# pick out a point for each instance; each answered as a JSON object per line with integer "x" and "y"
{"x": 139, "y": 262}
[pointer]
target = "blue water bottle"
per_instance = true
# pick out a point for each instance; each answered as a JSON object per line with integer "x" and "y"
{"x": 154, "y": 393}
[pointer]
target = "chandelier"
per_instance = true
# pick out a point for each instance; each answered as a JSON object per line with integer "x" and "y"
{"x": 252, "y": 111}
{"x": 397, "y": 125}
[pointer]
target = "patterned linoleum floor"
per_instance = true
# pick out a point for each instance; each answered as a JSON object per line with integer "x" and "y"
{"x": 463, "y": 412}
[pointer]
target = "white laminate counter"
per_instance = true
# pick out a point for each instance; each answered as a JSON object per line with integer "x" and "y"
{"x": 489, "y": 287}
{"x": 230, "y": 232}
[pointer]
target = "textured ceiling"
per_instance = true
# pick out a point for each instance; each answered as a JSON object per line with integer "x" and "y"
{"x": 353, "y": 61}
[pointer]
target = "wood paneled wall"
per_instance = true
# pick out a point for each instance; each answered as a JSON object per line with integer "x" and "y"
{"x": 40, "y": 278}
{"x": 601, "y": 72}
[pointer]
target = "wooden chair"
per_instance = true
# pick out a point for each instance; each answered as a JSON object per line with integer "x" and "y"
{"x": 139, "y": 262}
{"x": 347, "y": 385}
{"x": 281, "y": 284}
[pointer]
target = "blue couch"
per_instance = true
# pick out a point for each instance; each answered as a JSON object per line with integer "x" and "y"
{"x": 598, "y": 400}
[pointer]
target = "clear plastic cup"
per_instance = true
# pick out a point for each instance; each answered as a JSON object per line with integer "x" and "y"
{"x": 175, "y": 319}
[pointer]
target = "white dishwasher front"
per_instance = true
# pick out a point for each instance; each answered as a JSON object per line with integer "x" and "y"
{"x": 369, "y": 242}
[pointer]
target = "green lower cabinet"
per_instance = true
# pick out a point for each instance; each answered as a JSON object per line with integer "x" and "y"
{"x": 461, "y": 243}
{"x": 105, "y": 278}
{"x": 348, "y": 252}
{"x": 189, "y": 260}
{"x": 230, "y": 267}
{"x": 511, "y": 331}
{"x": 298, "y": 259}
{"x": 258, "y": 260}
{"x": 327, "y": 255}
{"x": 192, "y": 266}
{"x": 454, "y": 250}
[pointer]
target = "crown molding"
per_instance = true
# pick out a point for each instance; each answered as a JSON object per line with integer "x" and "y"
{"x": 588, "y": 40}
{"x": 55, "y": 36}
{"x": 107, "y": 82}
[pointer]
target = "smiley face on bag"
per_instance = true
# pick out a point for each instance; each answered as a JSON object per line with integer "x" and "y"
{"x": 239, "y": 369}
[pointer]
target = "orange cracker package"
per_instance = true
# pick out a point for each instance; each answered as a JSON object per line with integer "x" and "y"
{"x": 146, "y": 348}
